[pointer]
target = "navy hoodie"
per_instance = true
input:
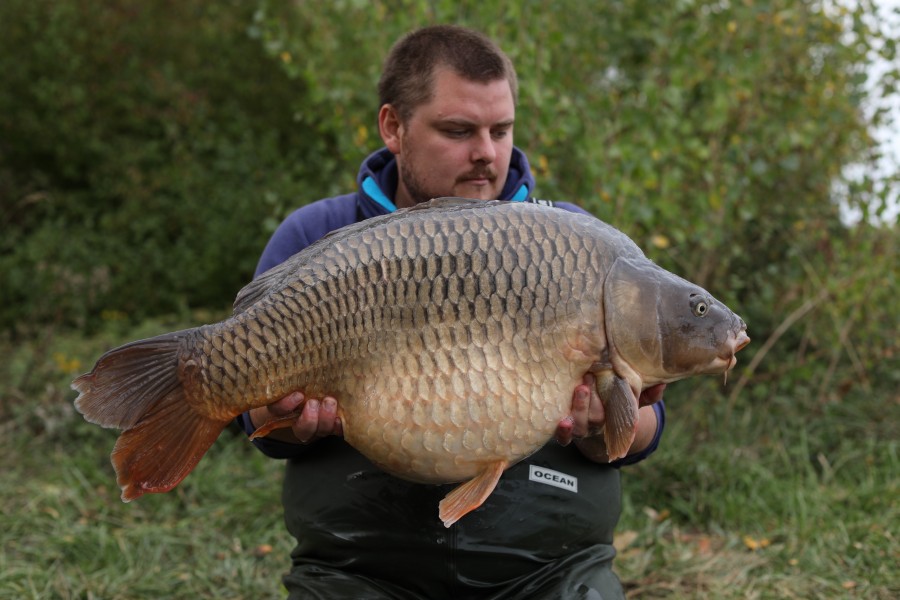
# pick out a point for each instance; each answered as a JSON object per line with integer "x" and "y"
{"x": 377, "y": 182}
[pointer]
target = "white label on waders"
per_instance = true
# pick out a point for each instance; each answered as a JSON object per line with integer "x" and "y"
{"x": 554, "y": 478}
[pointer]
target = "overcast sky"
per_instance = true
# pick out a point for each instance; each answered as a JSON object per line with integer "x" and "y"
{"x": 889, "y": 136}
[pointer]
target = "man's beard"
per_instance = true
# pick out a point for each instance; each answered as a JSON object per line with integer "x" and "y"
{"x": 414, "y": 187}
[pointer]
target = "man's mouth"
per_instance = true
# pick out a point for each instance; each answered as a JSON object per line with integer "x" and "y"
{"x": 478, "y": 178}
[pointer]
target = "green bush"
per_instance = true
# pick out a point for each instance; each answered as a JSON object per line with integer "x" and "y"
{"x": 145, "y": 150}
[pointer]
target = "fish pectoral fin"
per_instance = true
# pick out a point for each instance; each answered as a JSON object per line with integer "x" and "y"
{"x": 163, "y": 447}
{"x": 620, "y": 406}
{"x": 282, "y": 422}
{"x": 470, "y": 495}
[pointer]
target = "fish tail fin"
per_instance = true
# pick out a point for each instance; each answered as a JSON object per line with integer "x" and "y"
{"x": 129, "y": 380}
{"x": 620, "y": 407}
{"x": 471, "y": 494}
{"x": 157, "y": 453}
{"x": 136, "y": 387}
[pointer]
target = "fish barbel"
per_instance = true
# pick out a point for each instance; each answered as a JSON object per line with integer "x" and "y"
{"x": 453, "y": 335}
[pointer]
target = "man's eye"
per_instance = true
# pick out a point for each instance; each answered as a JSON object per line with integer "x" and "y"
{"x": 455, "y": 133}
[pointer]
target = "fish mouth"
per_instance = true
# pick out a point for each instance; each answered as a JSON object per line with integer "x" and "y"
{"x": 742, "y": 340}
{"x": 735, "y": 344}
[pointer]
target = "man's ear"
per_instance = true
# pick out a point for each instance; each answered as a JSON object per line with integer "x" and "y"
{"x": 390, "y": 128}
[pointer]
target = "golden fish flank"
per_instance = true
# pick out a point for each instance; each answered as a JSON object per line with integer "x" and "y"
{"x": 452, "y": 334}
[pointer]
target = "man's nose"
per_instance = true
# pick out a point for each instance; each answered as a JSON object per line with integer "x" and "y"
{"x": 483, "y": 149}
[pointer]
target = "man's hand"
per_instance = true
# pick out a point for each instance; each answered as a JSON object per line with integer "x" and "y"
{"x": 587, "y": 417}
{"x": 314, "y": 419}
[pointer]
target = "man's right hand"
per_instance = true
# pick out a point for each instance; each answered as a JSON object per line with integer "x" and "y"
{"x": 315, "y": 419}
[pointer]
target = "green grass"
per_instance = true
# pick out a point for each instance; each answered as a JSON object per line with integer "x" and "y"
{"x": 781, "y": 497}
{"x": 66, "y": 534}
{"x": 767, "y": 502}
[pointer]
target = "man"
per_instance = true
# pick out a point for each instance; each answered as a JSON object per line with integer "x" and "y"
{"x": 447, "y": 113}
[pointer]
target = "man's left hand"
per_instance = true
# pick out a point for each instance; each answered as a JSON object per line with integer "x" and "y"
{"x": 588, "y": 417}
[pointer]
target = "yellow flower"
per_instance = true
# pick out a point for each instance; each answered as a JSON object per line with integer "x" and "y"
{"x": 362, "y": 135}
{"x": 65, "y": 364}
{"x": 755, "y": 544}
{"x": 543, "y": 165}
{"x": 660, "y": 241}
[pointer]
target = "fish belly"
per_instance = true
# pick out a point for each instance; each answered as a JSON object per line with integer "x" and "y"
{"x": 440, "y": 416}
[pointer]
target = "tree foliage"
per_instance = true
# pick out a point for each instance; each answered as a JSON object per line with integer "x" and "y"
{"x": 142, "y": 148}
{"x": 146, "y": 150}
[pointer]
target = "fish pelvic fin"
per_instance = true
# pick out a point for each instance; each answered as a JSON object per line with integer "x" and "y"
{"x": 620, "y": 406}
{"x": 470, "y": 495}
{"x": 282, "y": 422}
{"x": 136, "y": 387}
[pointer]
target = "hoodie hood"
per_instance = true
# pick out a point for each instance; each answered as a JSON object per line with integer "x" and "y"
{"x": 377, "y": 181}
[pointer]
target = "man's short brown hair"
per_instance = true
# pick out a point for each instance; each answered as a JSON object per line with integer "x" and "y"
{"x": 408, "y": 76}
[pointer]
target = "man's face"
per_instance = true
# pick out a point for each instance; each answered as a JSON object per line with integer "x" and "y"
{"x": 458, "y": 144}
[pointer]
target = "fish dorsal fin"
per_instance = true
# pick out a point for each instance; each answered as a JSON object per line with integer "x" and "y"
{"x": 276, "y": 277}
{"x": 261, "y": 286}
{"x": 449, "y": 202}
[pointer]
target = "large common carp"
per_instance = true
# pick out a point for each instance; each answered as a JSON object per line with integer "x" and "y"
{"x": 453, "y": 335}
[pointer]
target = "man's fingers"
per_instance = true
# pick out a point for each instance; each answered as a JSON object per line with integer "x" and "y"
{"x": 564, "y": 431}
{"x": 327, "y": 417}
{"x": 318, "y": 419}
{"x": 287, "y": 405}
{"x": 306, "y": 426}
{"x": 581, "y": 409}
{"x": 589, "y": 380}
{"x": 596, "y": 414}
{"x": 576, "y": 422}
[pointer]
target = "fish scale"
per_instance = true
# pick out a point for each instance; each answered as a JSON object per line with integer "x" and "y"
{"x": 452, "y": 334}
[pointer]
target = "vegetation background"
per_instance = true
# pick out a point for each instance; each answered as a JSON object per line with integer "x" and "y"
{"x": 147, "y": 151}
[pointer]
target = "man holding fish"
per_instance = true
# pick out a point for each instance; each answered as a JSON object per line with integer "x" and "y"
{"x": 448, "y": 98}
{"x": 430, "y": 341}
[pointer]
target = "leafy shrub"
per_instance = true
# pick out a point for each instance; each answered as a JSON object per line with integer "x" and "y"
{"x": 145, "y": 151}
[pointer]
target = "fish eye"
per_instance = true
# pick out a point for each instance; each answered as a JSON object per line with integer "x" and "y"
{"x": 699, "y": 308}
